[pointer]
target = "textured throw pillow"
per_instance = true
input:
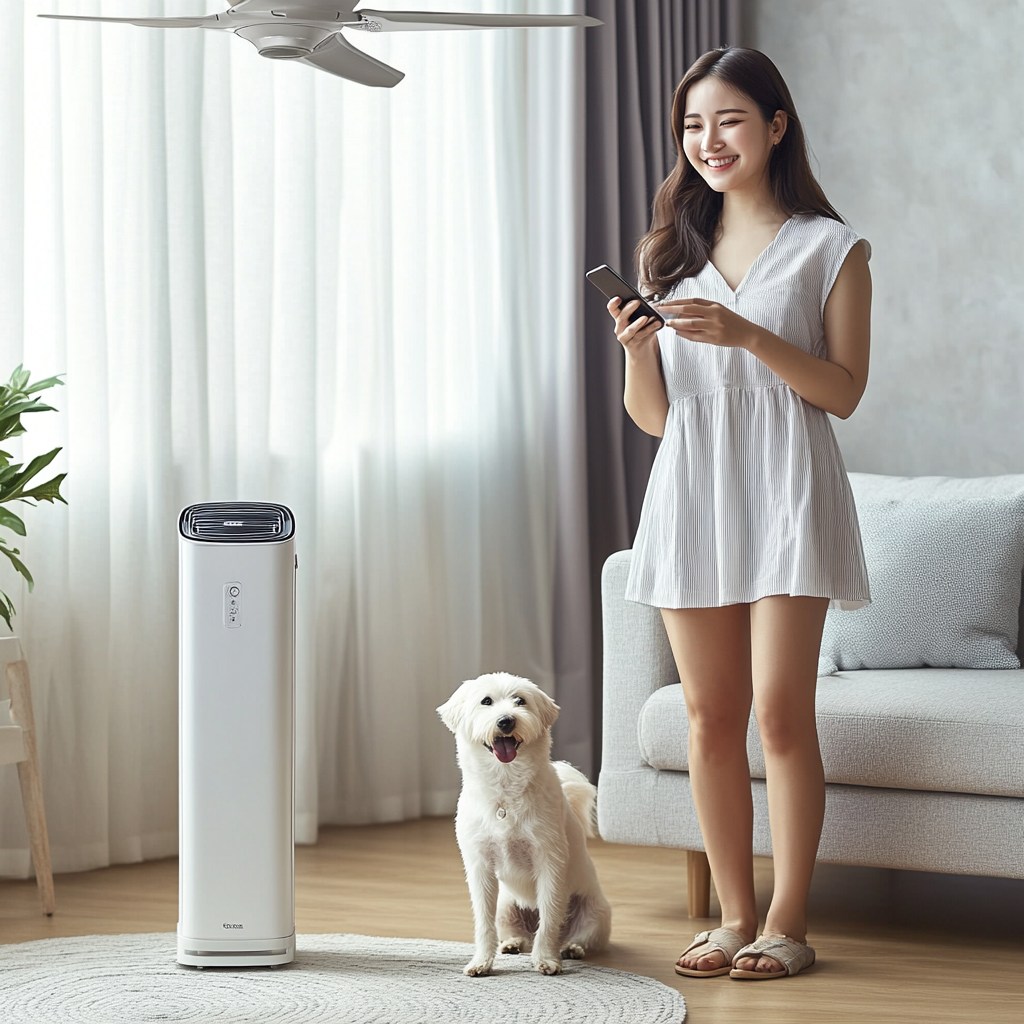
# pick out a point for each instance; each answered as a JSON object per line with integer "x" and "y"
{"x": 944, "y": 559}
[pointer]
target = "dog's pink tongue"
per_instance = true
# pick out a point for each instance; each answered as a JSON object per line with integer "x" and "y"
{"x": 504, "y": 749}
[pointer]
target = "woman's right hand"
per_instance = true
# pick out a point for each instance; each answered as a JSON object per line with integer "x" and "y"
{"x": 645, "y": 398}
{"x": 636, "y": 335}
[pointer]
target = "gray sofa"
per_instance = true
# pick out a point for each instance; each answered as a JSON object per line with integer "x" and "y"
{"x": 924, "y": 766}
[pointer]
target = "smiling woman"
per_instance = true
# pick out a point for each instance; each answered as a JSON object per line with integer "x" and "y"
{"x": 748, "y": 530}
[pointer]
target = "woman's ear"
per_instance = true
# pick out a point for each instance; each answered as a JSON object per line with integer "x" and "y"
{"x": 778, "y": 126}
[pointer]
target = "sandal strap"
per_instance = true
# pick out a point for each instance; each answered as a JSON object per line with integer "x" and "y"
{"x": 794, "y": 956}
{"x": 722, "y": 939}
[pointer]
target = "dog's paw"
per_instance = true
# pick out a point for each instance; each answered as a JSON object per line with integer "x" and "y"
{"x": 574, "y": 951}
{"x": 478, "y": 968}
{"x": 546, "y": 966}
{"x": 511, "y": 946}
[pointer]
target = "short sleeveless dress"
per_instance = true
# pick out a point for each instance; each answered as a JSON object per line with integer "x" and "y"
{"x": 748, "y": 495}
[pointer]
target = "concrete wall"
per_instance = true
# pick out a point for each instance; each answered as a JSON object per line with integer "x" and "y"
{"x": 914, "y": 110}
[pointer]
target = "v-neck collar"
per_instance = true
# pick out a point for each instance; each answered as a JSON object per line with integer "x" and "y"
{"x": 757, "y": 259}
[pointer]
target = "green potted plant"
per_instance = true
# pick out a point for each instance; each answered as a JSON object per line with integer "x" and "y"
{"x": 17, "y": 399}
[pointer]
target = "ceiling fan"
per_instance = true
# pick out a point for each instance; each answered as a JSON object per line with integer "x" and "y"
{"x": 309, "y": 31}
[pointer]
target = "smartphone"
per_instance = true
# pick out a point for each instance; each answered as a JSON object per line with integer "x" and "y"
{"x": 609, "y": 283}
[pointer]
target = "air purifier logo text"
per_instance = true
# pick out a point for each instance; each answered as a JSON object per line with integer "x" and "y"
{"x": 232, "y": 926}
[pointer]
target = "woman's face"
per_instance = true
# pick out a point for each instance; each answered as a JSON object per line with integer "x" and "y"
{"x": 725, "y": 137}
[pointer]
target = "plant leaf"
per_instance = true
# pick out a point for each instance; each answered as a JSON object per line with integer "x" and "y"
{"x": 18, "y": 564}
{"x": 18, "y": 482}
{"x": 43, "y": 385}
{"x": 15, "y": 409}
{"x": 8, "y": 473}
{"x": 6, "y": 610}
{"x": 50, "y": 491}
{"x": 10, "y": 418}
{"x": 12, "y": 522}
{"x": 18, "y": 404}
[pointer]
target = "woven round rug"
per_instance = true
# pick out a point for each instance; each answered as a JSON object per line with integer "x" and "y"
{"x": 335, "y": 979}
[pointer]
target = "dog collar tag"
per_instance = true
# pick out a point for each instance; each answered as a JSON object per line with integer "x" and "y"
{"x": 501, "y": 812}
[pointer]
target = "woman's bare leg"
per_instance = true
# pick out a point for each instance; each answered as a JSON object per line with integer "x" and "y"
{"x": 785, "y": 635}
{"x": 711, "y": 647}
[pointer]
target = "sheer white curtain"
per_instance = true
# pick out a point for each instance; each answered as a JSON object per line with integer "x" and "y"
{"x": 268, "y": 284}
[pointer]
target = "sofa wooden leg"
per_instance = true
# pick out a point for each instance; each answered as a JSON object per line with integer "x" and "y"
{"x": 698, "y": 883}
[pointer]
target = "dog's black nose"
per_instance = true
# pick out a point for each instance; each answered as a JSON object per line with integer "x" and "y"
{"x": 506, "y": 723}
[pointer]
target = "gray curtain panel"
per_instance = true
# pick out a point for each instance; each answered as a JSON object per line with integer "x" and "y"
{"x": 633, "y": 65}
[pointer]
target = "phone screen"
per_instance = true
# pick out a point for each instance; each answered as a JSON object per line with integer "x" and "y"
{"x": 611, "y": 285}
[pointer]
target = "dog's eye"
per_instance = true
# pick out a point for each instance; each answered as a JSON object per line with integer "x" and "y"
{"x": 487, "y": 700}
{"x": 520, "y": 701}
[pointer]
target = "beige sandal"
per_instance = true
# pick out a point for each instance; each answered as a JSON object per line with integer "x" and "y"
{"x": 722, "y": 939}
{"x": 794, "y": 957}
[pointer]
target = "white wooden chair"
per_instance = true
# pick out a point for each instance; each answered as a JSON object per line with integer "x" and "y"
{"x": 18, "y": 746}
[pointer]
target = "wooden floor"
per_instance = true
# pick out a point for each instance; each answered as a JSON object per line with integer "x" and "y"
{"x": 893, "y": 947}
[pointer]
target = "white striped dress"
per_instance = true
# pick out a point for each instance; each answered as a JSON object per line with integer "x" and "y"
{"x": 748, "y": 495}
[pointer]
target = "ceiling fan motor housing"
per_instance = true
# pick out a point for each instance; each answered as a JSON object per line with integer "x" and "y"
{"x": 295, "y": 42}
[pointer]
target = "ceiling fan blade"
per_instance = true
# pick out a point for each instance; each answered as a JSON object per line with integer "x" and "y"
{"x": 209, "y": 20}
{"x": 421, "y": 21}
{"x": 255, "y": 6}
{"x": 339, "y": 57}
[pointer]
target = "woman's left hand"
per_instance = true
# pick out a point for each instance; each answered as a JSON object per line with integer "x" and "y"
{"x": 710, "y": 322}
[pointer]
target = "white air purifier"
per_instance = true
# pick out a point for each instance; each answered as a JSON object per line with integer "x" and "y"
{"x": 236, "y": 746}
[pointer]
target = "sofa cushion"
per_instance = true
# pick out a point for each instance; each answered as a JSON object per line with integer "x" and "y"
{"x": 944, "y": 559}
{"x": 952, "y": 730}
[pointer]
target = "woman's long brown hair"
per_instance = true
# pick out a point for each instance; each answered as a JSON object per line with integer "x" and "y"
{"x": 687, "y": 209}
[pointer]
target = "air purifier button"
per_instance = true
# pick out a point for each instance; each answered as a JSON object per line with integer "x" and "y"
{"x": 232, "y": 605}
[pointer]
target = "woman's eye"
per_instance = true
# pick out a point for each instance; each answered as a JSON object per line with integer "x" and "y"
{"x": 724, "y": 123}
{"x": 487, "y": 700}
{"x": 688, "y": 126}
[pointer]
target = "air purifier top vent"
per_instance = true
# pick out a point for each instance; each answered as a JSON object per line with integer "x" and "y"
{"x": 236, "y": 522}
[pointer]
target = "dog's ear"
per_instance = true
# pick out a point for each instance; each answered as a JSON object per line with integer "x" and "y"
{"x": 547, "y": 708}
{"x": 453, "y": 710}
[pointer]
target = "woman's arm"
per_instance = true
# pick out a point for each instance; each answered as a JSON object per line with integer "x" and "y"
{"x": 835, "y": 383}
{"x": 644, "y": 397}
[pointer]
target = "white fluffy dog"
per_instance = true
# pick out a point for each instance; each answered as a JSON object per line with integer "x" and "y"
{"x": 522, "y": 824}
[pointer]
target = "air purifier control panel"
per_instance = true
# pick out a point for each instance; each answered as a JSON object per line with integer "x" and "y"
{"x": 233, "y": 605}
